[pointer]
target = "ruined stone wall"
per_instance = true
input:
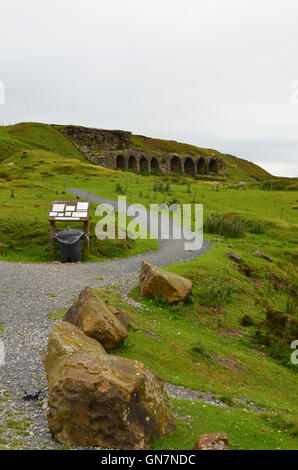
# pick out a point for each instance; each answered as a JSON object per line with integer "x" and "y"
{"x": 95, "y": 139}
{"x": 111, "y": 149}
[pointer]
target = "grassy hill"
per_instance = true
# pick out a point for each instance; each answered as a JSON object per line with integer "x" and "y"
{"x": 236, "y": 168}
{"x": 36, "y": 136}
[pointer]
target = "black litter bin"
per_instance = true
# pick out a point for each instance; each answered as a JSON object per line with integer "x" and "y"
{"x": 70, "y": 244}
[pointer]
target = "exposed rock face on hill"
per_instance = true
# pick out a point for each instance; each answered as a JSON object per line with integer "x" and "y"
{"x": 155, "y": 282}
{"x": 96, "y": 319}
{"x": 86, "y": 138}
{"x": 97, "y": 399}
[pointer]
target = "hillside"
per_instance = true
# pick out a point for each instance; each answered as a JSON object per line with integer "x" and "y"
{"x": 36, "y": 136}
{"x": 236, "y": 168}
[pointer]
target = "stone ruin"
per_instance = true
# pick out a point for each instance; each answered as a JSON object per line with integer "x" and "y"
{"x": 112, "y": 149}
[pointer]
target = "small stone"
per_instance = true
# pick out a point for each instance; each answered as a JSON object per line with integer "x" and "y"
{"x": 212, "y": 442}
{"x": 263, "y": 255}
{"x": 234, "y": 257}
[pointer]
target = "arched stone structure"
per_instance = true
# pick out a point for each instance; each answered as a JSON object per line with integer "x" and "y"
{"x": 132, "y": 163}
{"x": 114, "y": 149}
{"x": 189, "y": 167}
{"x": 144, "y": 164}
{"x": 201, "y": 166}
{"x": 154, "y": 165}
{"x": 176, "y": 165}
{"x": 120, "y": 162}
{"x": 213, "y": 166}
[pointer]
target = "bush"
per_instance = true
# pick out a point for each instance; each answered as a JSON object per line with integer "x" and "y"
{"x": 120, "y": 189}
{"x": 283, "y": 422}
{"x": 282, "y": 184}
{"x": 199, "y": 351}
{"x": 277, "y": 332}
{"x": 219, "y": 292}
{"x": 246, "y": 320}
{"x": 232, "y": 226}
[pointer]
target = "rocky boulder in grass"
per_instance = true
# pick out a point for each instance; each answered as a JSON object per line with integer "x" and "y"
{"x": 96, "y": 319}
{"x": 155, "y": 282}
{"x": 100, "y": 400}
{"x": 65, "y": 340}
{"x": 263, "y": 255}
{"x": 212, "y": 442}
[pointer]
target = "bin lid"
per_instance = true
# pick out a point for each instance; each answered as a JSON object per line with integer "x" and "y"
{"x": 69, "y": 236}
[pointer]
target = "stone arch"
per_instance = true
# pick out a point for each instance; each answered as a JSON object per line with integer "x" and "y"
{"x": 201, "y": 166}
{"x": 176, "y": 165}
{"x": 120, "y": 162}
{"x": 189, "y": 167}
{"x": 213, "y": 166}
{"x": 144, "y": 164}
{"x": 132, "y": 163}
{"x": 154, "y": 164}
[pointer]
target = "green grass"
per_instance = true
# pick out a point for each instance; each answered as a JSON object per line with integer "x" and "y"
{"x": 245, "y": 430}
{"x": 27, "y": 136}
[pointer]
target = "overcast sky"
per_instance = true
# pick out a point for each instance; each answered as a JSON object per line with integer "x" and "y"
{"x": 214, "y": 73}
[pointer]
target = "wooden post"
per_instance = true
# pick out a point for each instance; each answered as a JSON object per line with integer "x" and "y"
{"x": 52, "y": 236}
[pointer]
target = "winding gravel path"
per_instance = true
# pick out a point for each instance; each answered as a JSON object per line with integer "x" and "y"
{"x": 28, "y": 293}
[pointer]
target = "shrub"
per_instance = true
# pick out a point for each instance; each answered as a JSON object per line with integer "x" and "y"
{"x": 198, "y": 351}
{"x": 283, "y": 422}
{"x": 283, "y": 184}
{"x": 174, "y": 200}
{"x": 218, "y": 292}
{"x": 277, "y": 332}
{"x": 226, "y": 399}
{"x": 120, "y": 189}
{"x": 246, "y": 320}
{"x": 232, "y": 226}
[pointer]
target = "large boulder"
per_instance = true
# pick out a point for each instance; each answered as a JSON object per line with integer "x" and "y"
{"x": 155, "y": 282}
{"x": 64, "y": 341}
{"x": 212, "y": 442}
{"x": 96, "y": 319}
{"x": 100, "y": 400}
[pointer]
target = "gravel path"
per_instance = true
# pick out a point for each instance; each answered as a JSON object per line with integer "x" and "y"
{"x": 28, "y": 293}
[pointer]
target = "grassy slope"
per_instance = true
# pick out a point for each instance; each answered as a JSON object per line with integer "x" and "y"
{"x": 30, "y": 136}
{"x": 213, "y": 352}
{"x": 236, "y": 168}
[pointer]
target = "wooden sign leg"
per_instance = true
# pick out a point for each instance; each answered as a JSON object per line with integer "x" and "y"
{"x": 52, "y": 236}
